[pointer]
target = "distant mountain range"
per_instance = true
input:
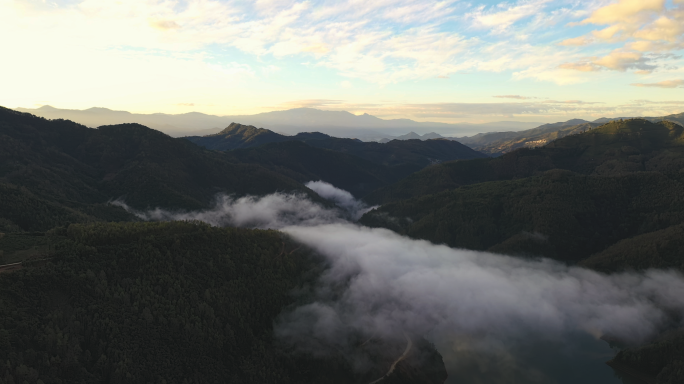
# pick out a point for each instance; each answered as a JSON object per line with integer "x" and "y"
{"x": 292, "y": 121}
{"x": 493, "y": 139}
{"x": 498, "y": 143}
{"x": 315, "y": 155}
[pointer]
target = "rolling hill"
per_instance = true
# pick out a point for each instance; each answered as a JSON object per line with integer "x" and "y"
{"x": 57, "y": 171}
{"x": 410, "y": 153}
{"x": 615, "y": 148}
{"x": 498, "y": 143}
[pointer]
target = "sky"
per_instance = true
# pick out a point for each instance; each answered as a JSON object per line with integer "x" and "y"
{"x": 448, "y": 61}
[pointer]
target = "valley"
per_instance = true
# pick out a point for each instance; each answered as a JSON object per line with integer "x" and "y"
{"x": 106, "y": 252}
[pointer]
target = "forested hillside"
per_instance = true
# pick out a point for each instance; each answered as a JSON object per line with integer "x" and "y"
{"x": 614, "y": 149}
{"x": 558, "y": 214}
{"x": 56, "y": 171}
{"x": 499, "y": 143}
{"x": 413, "y": 154}
{"x": 170, "y": 303}
{"x": 302, "y": 162}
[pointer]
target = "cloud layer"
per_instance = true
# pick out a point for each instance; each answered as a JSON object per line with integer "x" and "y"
{"x": 382, "y": 285}
{"x": 643, "y": 28}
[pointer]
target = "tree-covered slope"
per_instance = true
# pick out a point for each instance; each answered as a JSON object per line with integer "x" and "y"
{"x": 537, "y": 137}
{"x": 498, "y": 143}
{"x": 559, "y": 214}
{"x": 658, "y": 249}
{"x": 167, "y": 303}
{"x": 415, "y": 153}
{"x": 56, "y": 170}
{"x": 238, "y": 136}
{"x": 409, "y": 153}
{"x": 302, "y": 162}
{"x": 615, "y": 148}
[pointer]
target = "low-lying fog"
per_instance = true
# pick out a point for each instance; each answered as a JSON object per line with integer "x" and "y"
{"x": 494, "y": 318}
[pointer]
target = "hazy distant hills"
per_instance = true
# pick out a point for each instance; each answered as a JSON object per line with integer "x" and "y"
{"x": 498, "y": 143}
{"x": 335, "y": 123}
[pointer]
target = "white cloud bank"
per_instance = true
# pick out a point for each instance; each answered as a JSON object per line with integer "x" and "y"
{"x": 380, "y": 284}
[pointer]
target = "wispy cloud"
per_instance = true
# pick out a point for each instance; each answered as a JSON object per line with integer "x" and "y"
{"x": 499, "y": 21}
{"x": 235, "y": 54}
{"x": 640, "y": 26}
{"x": 514, "y": 97}
{"x": 380, "y": 42}
{"x": 312, "y": 103}
{"x": 662, "y": 84}
{"x": 576, "y": 41}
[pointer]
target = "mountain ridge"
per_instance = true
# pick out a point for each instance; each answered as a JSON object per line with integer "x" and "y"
{"x": 413, "y": 154}
{"x": 292, "y": 121}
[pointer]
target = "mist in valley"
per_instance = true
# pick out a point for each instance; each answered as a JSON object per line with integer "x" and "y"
{"x": 494, "y": 318}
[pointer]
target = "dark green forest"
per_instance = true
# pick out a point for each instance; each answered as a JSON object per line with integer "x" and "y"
{"x": 56, "y": 171}
{"x": 613, "y": 149}
{"x": 414, "y": 153}
{"x": 173, "y": 302}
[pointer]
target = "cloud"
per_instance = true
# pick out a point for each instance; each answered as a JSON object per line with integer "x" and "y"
{"x": 501, "y": 21}
{"x": 340, "y": 197}
{"x": 514, "y": 97}
{"x": 312, "y": 103}
{"x": 381, "y": 285}
{"x": 164, "y": 25}
{"x": 641, "y": 26}
{"x": 624, "y": 60}
{"x": 272, "y": 211}
{"x": 624, "y": 10}
{"x": 617, "y": 60}
{"x": 649, "y": 24}
{"x": 581, "y": 66}
{"x": 662, "y": 84}
{"x": 382, "y": 42}
{"x": 576, "y": 41}
{"x": 392, "y": 283}
{"x": 346, "y": 84}
{"x": 663, "y": 28}
{"x": 270, "y": 69}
